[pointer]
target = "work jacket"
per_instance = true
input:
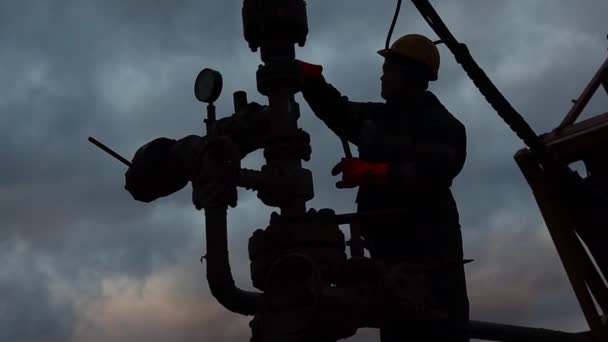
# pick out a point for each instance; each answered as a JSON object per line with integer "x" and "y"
{"x": 425, "y": 147}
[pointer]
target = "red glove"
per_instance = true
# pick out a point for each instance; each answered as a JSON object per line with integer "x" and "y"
{"x": 310, "y": 71}
{"x": 357, "y": 172}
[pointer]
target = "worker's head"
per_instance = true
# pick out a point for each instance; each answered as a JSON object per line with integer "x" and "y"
{"x": 409, "y": 64}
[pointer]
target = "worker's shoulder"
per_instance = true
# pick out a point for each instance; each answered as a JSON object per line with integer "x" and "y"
{"x": 437, "y": 114}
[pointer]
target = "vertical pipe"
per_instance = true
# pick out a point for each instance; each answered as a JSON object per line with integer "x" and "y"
{"x": 239, "y": 99}
{"x": 210, "y": 120}
{"x": 284, "y": 120}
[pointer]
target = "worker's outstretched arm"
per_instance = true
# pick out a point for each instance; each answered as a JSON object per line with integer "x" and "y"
{"x": 342, "y": 116}
{"x": 433, "y": 161}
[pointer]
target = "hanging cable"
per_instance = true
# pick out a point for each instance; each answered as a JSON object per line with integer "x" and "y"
{"x": 494, "y": 97}
{"x": 390, "y": 31}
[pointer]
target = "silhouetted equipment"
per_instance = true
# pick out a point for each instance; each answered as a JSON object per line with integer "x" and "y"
{"x": 109, "y": 151}
{"x": 207, "y": 88}
{"x": 576, "y": 218}
{"x": 311, "y": 289}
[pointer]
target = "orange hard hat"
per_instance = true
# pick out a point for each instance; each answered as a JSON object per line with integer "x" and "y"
{"x": 418, "y": 48}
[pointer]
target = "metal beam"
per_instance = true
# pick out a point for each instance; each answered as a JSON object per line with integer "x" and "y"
{"x": 576, "y": 141}
{"x": 579, "y": 104}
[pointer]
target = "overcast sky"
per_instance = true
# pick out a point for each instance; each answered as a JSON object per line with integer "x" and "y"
{"x": 82, "y": 261}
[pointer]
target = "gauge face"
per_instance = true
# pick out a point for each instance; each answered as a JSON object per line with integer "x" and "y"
{"x": 208, "y": 85}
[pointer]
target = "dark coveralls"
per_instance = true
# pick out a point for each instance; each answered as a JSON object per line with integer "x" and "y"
{"x": 425, "y": 147}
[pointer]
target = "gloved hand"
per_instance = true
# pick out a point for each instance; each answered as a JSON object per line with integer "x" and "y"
{"x": 357, "y": 172}
{"x": 310, "y": 71}
{"x": 153, "y": 172}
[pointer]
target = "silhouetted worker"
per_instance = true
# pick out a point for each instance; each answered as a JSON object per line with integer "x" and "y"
{"x": 410, "y": 150}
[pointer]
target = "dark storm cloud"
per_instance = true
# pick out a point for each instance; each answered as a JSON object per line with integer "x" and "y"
{"x": 67, "y": 84}
{"x": 123, "y": 72}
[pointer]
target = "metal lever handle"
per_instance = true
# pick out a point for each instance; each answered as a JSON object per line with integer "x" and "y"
{"x": 109, "y": 151}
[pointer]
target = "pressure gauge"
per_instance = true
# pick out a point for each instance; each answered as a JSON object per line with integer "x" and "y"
{"x": 208, "y": 85}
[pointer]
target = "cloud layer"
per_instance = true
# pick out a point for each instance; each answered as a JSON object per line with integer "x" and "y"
{"x": 82, "y": 261}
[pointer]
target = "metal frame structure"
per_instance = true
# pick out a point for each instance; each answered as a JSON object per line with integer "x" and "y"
{"x": 573, "y": 142}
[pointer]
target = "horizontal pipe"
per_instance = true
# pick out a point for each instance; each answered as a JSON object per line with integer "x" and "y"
{"x": 511, "y": 333}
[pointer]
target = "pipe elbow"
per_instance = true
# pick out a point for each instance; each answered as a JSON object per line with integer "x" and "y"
{"x": 219, "y": 275}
